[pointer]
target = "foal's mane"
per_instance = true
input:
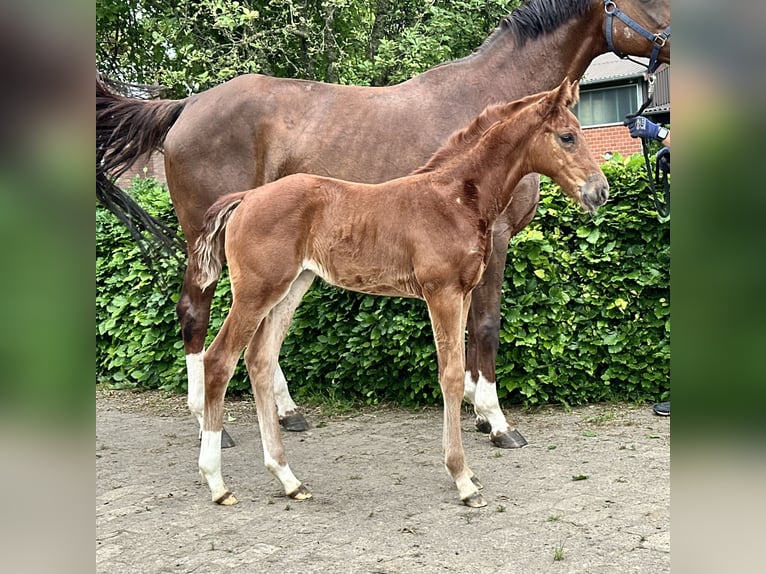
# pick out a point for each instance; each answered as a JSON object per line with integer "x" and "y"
{"x": 462, "y": 140}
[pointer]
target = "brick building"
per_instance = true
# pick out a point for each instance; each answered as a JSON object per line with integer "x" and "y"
{"x": 612, "y": 88}
{"x": 152, "y": 165}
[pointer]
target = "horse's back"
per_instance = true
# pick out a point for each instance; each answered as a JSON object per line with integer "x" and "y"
{"x": 254, "y": 129}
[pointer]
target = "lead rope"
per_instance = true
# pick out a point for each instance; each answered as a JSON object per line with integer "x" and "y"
{"x": 657, "y": 178}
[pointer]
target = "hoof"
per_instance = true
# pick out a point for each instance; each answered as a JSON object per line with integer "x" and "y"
{"x": 294, "y": 422}
{"x": 226, "y": 440}
{"x": 227, "y": 499}
{"x": 476, "y": 500}
{"x": 483, "y": 426}
{"x": 508, "y": 439}
{"x": 476, "y": 482}
{"x": 300, "y": 493}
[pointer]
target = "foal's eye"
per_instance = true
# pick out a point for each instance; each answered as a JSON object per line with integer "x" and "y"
{"x": 567, "y": 138}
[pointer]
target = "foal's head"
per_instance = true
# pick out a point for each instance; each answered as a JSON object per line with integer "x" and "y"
{"x": 557, "y": 148}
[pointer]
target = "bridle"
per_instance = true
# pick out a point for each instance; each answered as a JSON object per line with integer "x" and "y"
{"x": 658, "y": 40}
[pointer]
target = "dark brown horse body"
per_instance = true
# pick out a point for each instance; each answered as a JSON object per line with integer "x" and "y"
{"x": 255, "y": 129}
{"x": 427, "y": 235}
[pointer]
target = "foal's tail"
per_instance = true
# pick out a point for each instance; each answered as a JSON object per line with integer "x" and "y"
{"x": 126, "y": 130}
{"x": 206, "y": 259}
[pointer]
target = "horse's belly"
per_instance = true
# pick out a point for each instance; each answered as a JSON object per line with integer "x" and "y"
{"x": 369, "y": 280}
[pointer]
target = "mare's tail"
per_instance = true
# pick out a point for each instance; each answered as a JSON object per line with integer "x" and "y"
{"x": 206, "y": 259}
{"x": 126, "y": 130}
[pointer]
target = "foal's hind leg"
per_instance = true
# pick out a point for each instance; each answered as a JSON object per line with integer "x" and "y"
{"x": 220, "y": 362}
{"x": 261, "y": 358}
{"x": 193, "y": 311}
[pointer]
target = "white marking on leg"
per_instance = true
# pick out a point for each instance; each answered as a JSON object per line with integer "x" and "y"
{"x": 195, "y": 372}
{"x": 210, "y": 463}
{"x": 469, "y": 392}
{"x": 487, "y": 405}
{"x": 281, "y": 472}
{"x": 285, "y": 404}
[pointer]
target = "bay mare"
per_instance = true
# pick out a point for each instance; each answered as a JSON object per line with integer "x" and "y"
{"x": 255, "y": 129}
{"x": 427, "y": 235}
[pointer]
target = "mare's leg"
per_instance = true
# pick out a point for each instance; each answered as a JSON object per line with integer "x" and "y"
{"x": 484, "y": 321}
{"x": 261, "y": 358}
{"x": 290, "y": 417}
{"x": 448, "y": 312}
{"x": 193, "y": 310}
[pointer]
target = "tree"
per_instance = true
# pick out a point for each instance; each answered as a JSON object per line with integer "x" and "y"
{"x": 192, "y": 45}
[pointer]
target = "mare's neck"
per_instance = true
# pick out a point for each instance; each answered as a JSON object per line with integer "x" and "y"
{"x": 502, "y": 70}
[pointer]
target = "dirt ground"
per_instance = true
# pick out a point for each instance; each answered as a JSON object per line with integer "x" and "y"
{"x": 589, "y": 494}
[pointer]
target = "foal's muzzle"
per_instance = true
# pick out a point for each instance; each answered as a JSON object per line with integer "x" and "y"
{"x": 594, "y": 192}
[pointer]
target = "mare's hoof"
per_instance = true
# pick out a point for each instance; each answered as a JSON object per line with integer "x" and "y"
{"x": 508, "y": 439}
{"x": 300, "y": 493}
{"x": 483, "y": 426}
{"x": 476, "y": 482}
{"x": 476, "y": 500}
{"x": 226, "y": 440}
{"x": 294, "y": 422}
{"x": 227, "y": 499}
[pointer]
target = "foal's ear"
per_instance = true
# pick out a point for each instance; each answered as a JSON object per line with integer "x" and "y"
{"x": 555, "y": 99}
{"x": 568, "y": 93}
{"x": 565, "y": 95}
{"x": 574, "y": 93}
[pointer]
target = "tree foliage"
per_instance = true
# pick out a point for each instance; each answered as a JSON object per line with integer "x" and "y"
{"x": 191, "y": 45}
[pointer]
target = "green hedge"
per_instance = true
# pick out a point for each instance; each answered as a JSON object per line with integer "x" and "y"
{"x": 586, "y": 313}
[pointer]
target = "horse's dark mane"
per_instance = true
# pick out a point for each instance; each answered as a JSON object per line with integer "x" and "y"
{"x": 462, "y": 139}
{"x": 536, "y": 18}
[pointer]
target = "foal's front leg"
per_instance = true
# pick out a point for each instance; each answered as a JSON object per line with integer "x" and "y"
{"x": 448, "y": 312}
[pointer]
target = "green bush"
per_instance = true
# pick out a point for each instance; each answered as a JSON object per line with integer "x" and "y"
{"x": 586, "y": 313}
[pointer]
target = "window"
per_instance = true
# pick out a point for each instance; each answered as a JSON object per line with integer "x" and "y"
{"x": 606, "y": 105}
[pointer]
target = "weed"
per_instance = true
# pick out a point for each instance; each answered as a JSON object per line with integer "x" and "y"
{"x": 558, "y": 552}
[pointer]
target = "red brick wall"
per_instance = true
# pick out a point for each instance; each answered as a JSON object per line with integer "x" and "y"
{"x": 154, "y": 165}
{"x": 611, "y": 139}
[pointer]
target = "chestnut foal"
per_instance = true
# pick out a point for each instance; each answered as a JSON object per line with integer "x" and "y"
{"x": 427, "y": 235}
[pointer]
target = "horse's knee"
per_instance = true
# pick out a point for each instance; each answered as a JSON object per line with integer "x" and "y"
{"x": 487, "y": 332}
{"x": 218, "y": 371}
{"x": 193, "y": 313}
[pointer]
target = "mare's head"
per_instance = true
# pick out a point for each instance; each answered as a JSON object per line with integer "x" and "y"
{"x": 557, "y": 147}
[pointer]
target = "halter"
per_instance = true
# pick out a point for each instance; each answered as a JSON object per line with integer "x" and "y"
{"x": 658, "y": 40}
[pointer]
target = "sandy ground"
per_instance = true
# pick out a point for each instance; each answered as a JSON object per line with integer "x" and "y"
{"x": 590, "y": 493}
